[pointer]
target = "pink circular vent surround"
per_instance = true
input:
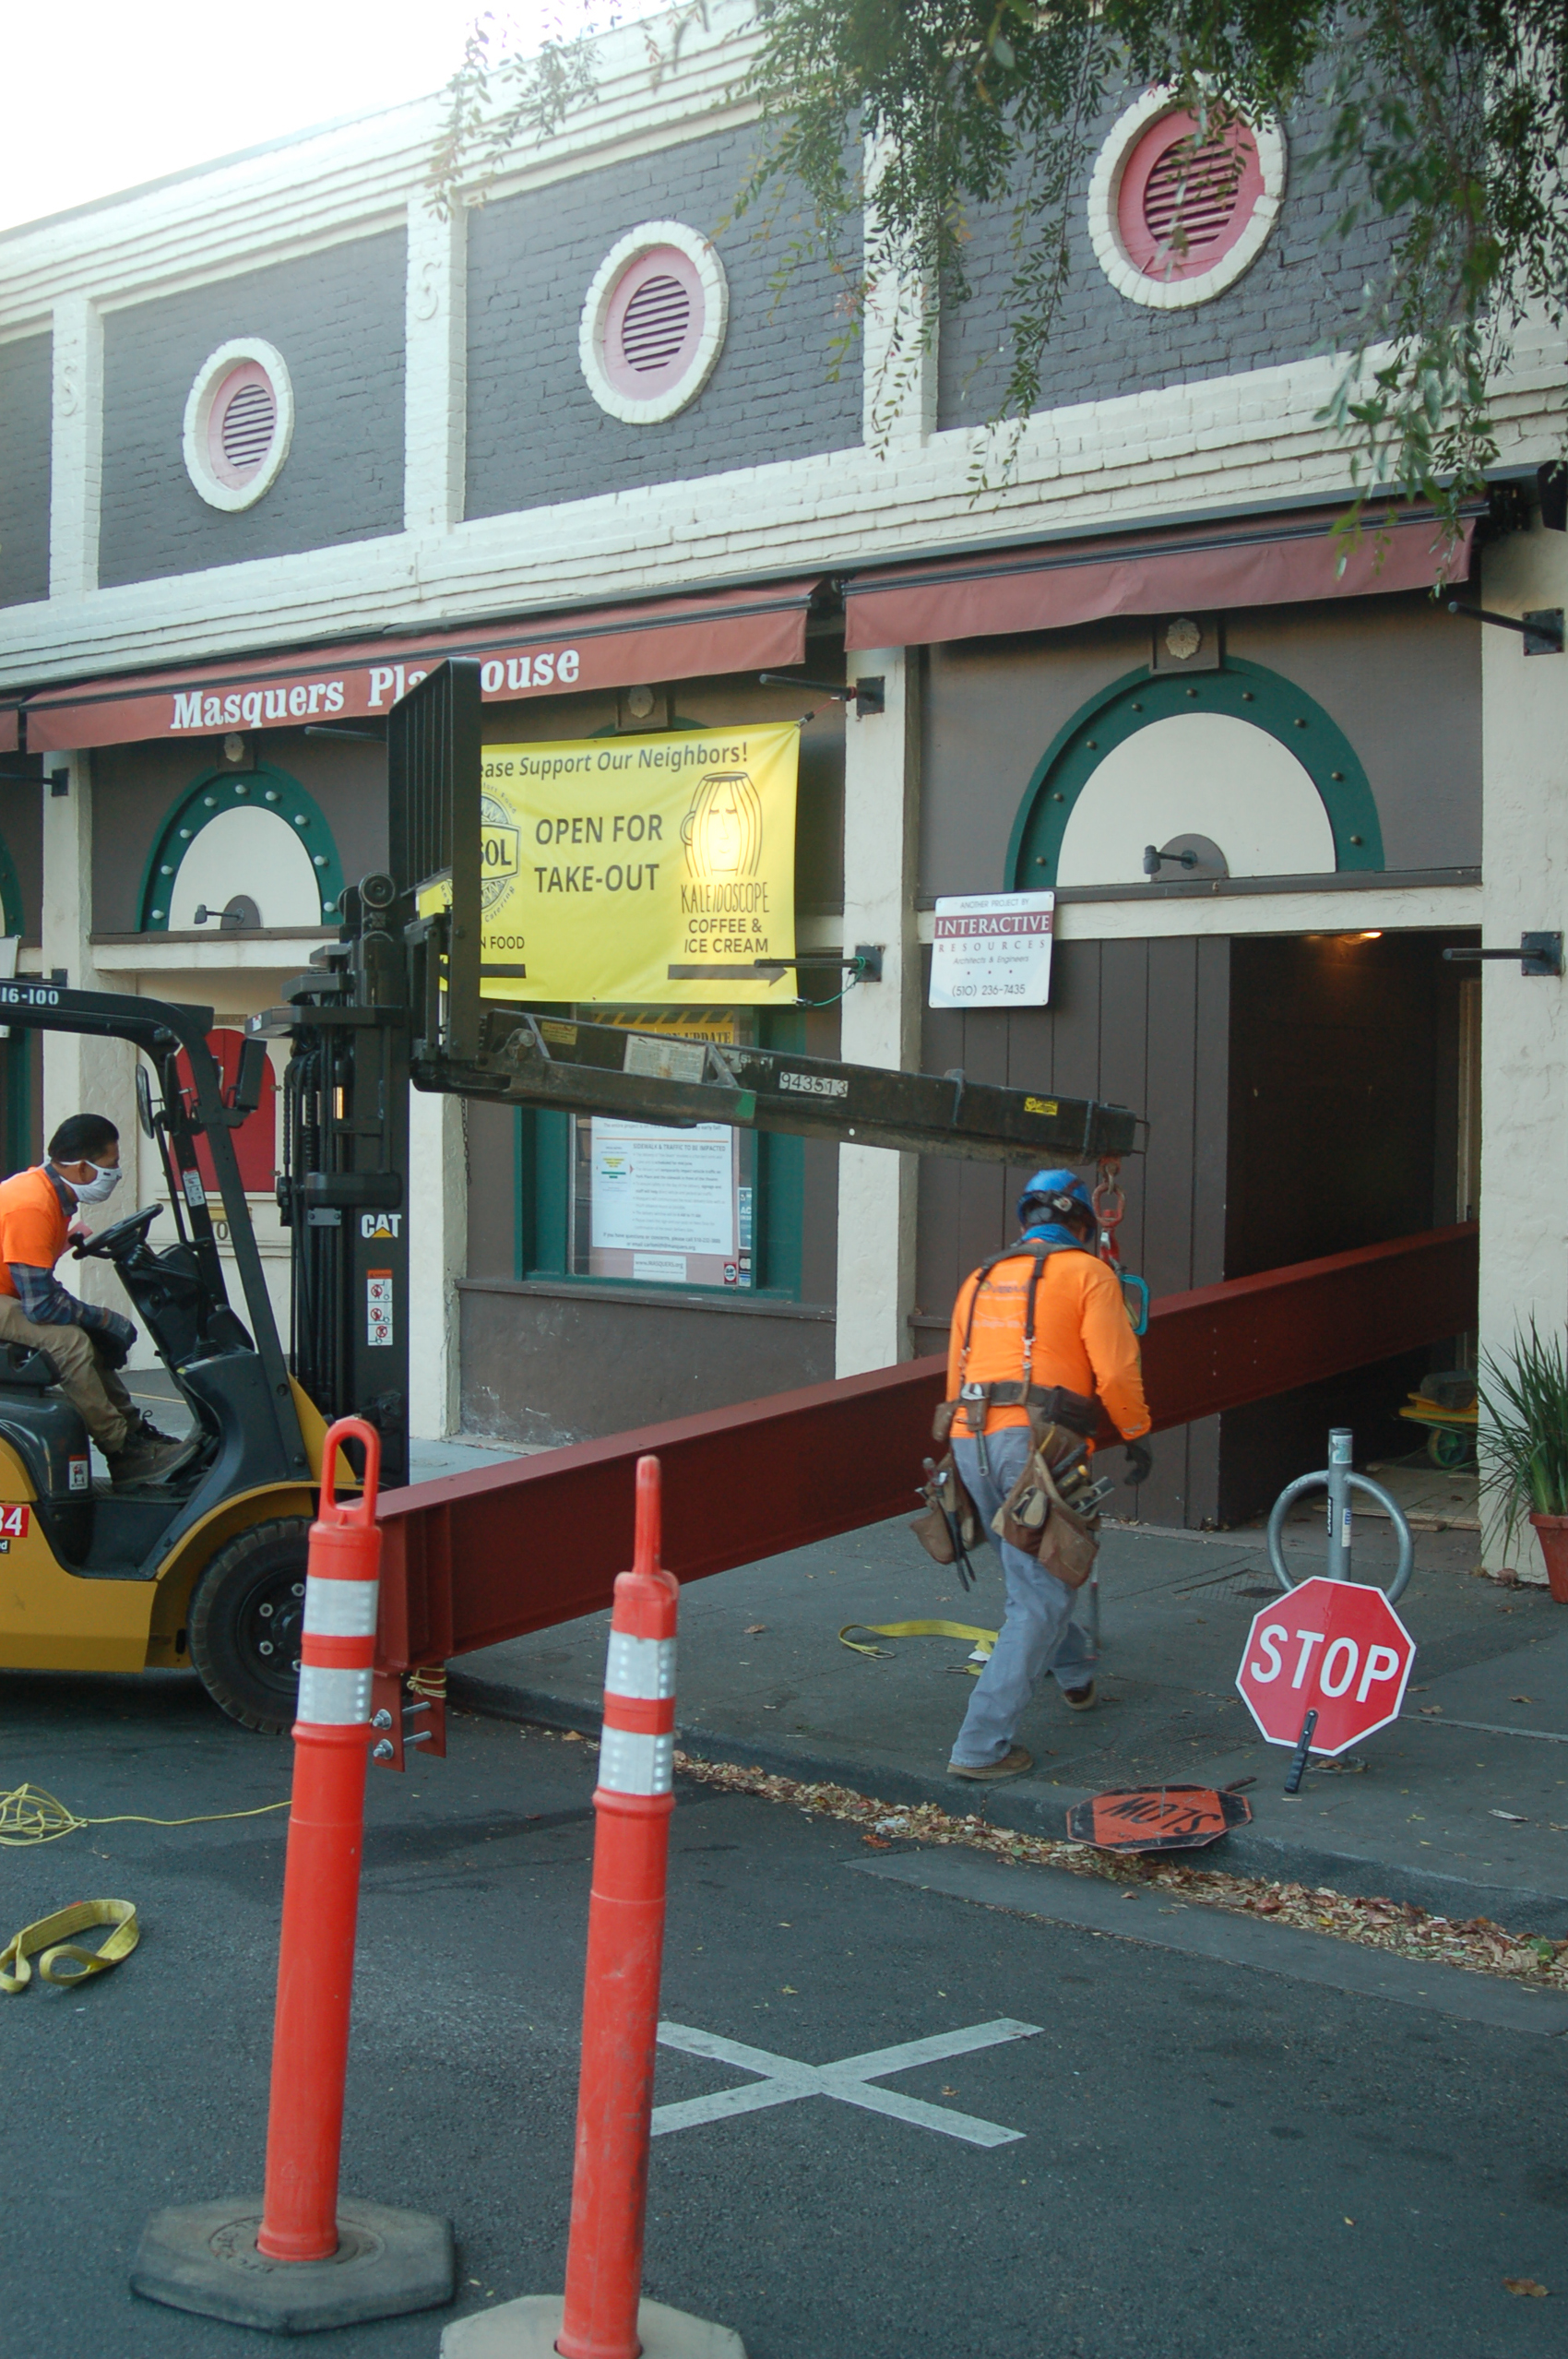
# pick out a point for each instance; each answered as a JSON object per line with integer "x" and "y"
{"x": 241, "y": 425}
{"x": 1183, "y": 204}
{"x": 654, "y": 323}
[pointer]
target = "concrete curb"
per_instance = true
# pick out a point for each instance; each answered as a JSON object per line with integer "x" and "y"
{"x": 1522, "y": 1909}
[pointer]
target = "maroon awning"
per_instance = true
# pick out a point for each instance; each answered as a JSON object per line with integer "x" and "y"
{"x": 677, "y": 638}
{"x": 1266, "y": 561}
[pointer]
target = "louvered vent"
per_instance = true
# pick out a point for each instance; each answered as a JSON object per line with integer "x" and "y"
{"x": 1194, "y": 192}
{"x": 248, "y": 425}
{"x": 655, "y": 324}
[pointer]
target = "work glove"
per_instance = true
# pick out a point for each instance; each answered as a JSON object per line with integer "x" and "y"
{"x": 112, "y": 1344}
{"x": 1140, "y": 1462}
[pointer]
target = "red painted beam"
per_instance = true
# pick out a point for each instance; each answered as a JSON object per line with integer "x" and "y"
{"x": 476, "y": 1558}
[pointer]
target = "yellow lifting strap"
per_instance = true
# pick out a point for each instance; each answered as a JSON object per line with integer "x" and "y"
{"x": 983, "y": 1640}
{"x": 63, "y": 1962}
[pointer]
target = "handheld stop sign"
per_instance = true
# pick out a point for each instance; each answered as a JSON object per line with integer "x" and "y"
{"x": 1335, "y": 1648}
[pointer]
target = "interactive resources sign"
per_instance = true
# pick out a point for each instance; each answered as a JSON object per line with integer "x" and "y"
{"x": 992, "y": 951}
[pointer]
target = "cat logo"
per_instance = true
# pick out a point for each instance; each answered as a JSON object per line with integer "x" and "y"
{"x": 381, "y": 1225}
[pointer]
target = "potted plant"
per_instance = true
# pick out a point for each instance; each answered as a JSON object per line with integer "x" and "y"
{"x": 1524, "y": 1446}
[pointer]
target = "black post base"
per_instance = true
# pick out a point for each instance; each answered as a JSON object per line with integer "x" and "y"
{"x": 203, "y": 2258}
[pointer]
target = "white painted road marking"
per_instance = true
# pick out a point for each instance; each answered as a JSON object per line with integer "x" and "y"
{"x": 783, "y": 2080}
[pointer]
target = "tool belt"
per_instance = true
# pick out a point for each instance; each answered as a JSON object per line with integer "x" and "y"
{"x": 949, "y": 1525}
{"x": 1047, "y": 1405}
{"x": 1036, "y": 1519}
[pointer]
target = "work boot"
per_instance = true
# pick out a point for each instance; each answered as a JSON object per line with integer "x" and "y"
{"x": 1079, "y": 1700}
{"x": 144, "y": 1430}
{"x": 1016, "y": 1763}
{"x": 139, "y": 1459}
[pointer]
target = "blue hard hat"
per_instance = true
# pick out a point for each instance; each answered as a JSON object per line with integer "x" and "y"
{"x": 1060, "y": 1192}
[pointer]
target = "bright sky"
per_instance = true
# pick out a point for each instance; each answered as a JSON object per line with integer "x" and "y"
{"x": 115, "y": 92}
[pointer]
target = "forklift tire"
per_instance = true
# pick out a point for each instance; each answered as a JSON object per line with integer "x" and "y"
{"x": 246, "y": 1620}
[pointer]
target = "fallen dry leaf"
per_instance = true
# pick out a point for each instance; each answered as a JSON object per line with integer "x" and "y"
{"x": 1520, "y": 1700}
{"x": 755, "y": 1629}
{"x": 945, "y": 2091}
{"x": 1430, "y": 1710}
{"x": 1524, "y": 2285}
{"x": 1477, "y": 1944}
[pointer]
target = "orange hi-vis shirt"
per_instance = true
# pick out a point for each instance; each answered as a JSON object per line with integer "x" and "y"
{"x": 33, "y": 1226}
{"x": 1084, "y": 1339}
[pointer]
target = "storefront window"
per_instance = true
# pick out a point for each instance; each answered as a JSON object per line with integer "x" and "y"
{"x": 642, "y": 1204}
{"x": 664, "y": 1207}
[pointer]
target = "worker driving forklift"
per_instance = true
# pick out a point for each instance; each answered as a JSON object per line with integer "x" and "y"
{"x": 201, "y": 1561}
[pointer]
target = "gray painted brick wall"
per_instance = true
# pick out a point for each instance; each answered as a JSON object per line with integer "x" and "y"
{"x": 1299, "y": 297}
{"x": 537, "y": 436}
{"x": 337, "y": 318}
{"x": 26, "y": 392}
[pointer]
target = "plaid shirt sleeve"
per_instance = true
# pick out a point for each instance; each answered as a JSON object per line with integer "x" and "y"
{"x": 47, "y": 1303}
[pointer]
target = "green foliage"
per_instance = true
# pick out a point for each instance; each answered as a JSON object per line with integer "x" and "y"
{"x": 1523, "y": 1430}
{"x": 1443, "y": 119}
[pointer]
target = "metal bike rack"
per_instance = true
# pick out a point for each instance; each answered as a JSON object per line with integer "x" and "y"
{"x": 1338, "y": 1479}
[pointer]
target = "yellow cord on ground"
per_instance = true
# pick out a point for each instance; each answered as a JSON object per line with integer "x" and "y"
{"x": 983, "y": 1640}
{"x": 64, "y": 1962}
{"x": 28, "y": 1815}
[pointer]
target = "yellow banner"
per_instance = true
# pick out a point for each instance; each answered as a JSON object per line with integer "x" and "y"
{"x": 608, "y": 861}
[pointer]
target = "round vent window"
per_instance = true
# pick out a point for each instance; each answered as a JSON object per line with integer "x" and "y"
{"x": 239, "y": 420}
{"x": 1177, "y": 215}
{"x": 653, "y": 324}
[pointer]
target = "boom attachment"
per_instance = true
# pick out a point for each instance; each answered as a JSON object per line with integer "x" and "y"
{"x": 542, "y": 1060}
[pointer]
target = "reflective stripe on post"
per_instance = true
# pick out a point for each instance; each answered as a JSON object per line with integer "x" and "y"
{"x": 632, "y": 1802}
{"x": 321, "y": 1877}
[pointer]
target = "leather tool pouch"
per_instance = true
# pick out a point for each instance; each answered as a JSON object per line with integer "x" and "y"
{"x": 950, "y": 1524}
{"x": 1036, "y": 1519}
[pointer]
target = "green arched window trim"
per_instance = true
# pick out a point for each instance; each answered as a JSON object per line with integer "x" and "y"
{"x": 218, "y": 791}
{"x": 1245, "y": 691}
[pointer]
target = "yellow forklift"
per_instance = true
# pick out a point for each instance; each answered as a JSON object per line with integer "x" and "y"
{"x": 206, "y": 1567}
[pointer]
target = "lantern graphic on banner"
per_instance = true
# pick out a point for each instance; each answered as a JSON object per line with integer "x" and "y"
{"x": 722, "y": 832}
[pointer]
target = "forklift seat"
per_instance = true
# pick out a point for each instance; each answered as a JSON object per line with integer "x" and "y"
{"x": 21, "y": 1364}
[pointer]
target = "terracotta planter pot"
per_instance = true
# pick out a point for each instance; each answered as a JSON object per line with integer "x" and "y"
{"x": 1553, "y": 1533}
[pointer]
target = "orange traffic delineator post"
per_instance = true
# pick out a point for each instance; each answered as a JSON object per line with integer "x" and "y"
{"x": 301, "y": 2258}
{"x": 602, "y": 2316}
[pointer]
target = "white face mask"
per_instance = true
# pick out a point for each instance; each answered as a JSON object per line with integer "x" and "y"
{"x": 100, "y": 1186}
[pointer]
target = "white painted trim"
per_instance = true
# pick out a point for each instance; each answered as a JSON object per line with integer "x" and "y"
{"x": 436, "y": 362}
{"x": 1105, "y": 196}
{"x": 158, "y": 954}
{"x": 76, "y": 468}
{"x": 210, "y": 379}
{"x": 703, "y": 255}
{"x": 879, "y": 1022}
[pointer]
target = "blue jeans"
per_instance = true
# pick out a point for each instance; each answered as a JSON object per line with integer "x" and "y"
{"x": 1038, "y": 1634}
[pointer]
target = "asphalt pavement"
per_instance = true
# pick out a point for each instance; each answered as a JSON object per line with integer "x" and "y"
{"x": 1125, "y": 2139}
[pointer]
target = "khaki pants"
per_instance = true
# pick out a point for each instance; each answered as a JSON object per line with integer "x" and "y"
{"x": 94, "y": 1391}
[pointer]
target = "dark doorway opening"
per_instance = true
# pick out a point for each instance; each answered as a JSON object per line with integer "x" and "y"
{"x": 1350, "y": 1122}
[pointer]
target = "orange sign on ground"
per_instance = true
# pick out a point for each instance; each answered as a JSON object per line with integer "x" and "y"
{"x": 1156, "y": 1818}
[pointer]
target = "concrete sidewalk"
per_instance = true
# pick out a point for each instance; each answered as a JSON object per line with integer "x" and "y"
{"x": 764, "y": 1680}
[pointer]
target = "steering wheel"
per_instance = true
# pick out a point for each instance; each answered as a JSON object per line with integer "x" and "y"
{"x": 132, "y": 1230}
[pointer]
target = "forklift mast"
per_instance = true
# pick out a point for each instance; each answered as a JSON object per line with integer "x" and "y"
{"x": 406, "y": 996}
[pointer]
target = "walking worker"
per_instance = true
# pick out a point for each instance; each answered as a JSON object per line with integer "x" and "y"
{"x": 86, "y": 1343}
{"x": 1038, "y": 1332}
